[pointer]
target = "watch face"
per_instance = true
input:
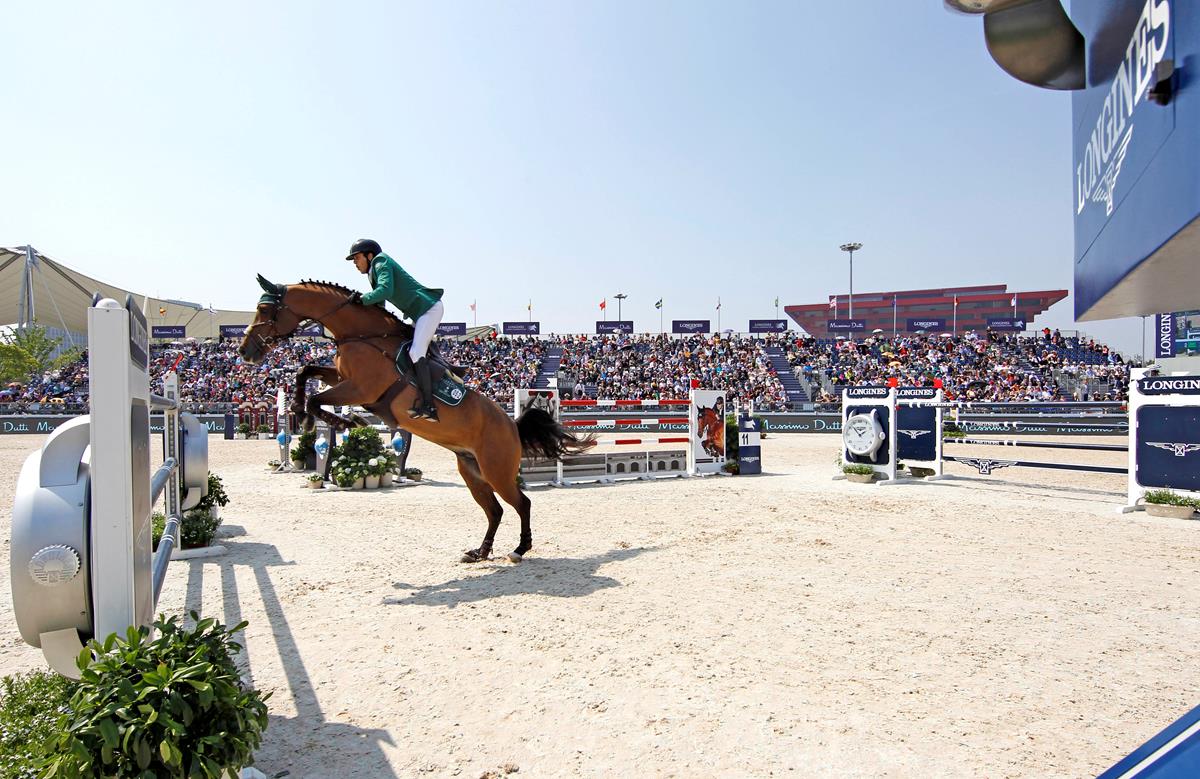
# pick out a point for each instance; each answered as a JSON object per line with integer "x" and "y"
{"x": 862, "y": 434}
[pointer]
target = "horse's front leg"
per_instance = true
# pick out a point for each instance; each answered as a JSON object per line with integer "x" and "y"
{"x": 347, "y": 393}
{"x": 326, "y": 373}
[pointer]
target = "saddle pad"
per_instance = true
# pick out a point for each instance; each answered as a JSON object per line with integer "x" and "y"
{"x": 449, "y": 389}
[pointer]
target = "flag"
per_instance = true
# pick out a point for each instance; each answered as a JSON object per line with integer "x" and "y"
{"x": 472, "y": 306}
{"x": 162, "y": 311}
{"x": 956, "y": 301}
{"x": 604, "y": 304}
{"x": 658, "y": 304}
{"x": 1014, "y": 303}
{"x": 776, "y": 302}
{"x": 530, "y": 306}
{"x": 833, "y": 303}
{"x": 718, "y": 304}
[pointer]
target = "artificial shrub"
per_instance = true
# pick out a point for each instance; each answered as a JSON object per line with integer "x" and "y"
{"x": 171, "y": 705}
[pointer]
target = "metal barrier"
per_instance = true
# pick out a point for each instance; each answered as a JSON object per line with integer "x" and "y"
{"x": 81, "y": 561}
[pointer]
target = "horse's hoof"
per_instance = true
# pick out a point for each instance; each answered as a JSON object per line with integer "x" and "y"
{"x": 473, "y": 556}
{"x": 513, "y": 557}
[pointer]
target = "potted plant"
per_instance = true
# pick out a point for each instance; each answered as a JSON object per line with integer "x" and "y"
{"x": 264, "y": 431}
{"x": 413, "y": 473}
{"x": 1165, "y": 503}
{"x": 243, "y": 431}
{"x": 374, "y": 469}
{"x": 273, "y": 464}
{"x": 162, "y": 701}
{"x": 316, "y": 481}
{"x": 732, "y": 468}
{"x": 390, "y": 461}
{"x": 215, "y": 498}
{"x": 304, "y": 453}
{"x": 856, "y": 472}
{"x": 343, "y": 478}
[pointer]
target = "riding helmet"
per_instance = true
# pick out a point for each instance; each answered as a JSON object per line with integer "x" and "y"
{"x": 365, "y": 245}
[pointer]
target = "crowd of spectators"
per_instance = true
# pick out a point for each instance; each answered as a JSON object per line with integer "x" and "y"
{"x": 988, "y": 367}
{"x": 660, "y": 366}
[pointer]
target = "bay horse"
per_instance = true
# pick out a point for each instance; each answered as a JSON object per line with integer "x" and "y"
{"x": 486, "y": 441}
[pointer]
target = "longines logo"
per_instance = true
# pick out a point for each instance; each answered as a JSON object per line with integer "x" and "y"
{"x": 1096, "y": 173}
{"x": 1177, "y": 449}
{"x": 985, "y": 467}
{"x": 915, "y": 434}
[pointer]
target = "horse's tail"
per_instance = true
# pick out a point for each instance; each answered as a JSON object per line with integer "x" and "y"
{"x": 541, "y": 436}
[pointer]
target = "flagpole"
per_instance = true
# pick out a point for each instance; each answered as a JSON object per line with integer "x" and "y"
{"x": 718, "y": 316}
{"x": 894, "y": 332}
{"x": 954, "y": 327}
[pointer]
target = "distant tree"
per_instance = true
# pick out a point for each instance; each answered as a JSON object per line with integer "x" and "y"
{"x": 26, "y": 353}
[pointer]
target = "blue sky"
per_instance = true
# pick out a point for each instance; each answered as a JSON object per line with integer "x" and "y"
{"x": 558, "y": 151}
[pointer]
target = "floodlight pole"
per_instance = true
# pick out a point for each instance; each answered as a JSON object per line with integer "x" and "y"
{"x": 851, "y": 248}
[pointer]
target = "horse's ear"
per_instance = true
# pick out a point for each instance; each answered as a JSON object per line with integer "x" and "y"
{"x": 270, "y": 288}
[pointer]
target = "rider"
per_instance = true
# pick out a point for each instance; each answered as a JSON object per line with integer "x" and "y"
{"x": 421, "y": 304}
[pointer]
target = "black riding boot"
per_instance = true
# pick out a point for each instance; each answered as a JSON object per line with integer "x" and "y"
{"x": 424, "y": 407}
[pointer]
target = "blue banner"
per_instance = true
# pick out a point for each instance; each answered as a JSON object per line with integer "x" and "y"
{"x": 932, "y": 323}
{"x": 1170, "y": 385}
{"x": 1164, "y": 335}
{"x": 691, "y": 325}
{"x": 168, "y": 331}
{"x": 452, "y": 328}
{"x": 625, "y": 326}
{"x": 315, "y": 330}
{"x": 846, "y": 325}
{"x": 768, "y": 325}
{"x": 522, "y": 328}
{"x": 1006, "y": 323}
{"x": 233, "y": 331}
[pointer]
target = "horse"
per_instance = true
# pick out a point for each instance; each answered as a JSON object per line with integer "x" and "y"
{"x": 486, "y": 441}
{"x": 711, "y": 424}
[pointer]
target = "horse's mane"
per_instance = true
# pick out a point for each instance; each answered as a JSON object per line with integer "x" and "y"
{"x": 388, "y": 316}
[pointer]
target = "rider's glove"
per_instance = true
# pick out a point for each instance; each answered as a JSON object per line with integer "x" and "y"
{"x": 356, "y": 297}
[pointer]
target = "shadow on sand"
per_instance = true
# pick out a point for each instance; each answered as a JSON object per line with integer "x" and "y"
{"x": 562, "y": 577}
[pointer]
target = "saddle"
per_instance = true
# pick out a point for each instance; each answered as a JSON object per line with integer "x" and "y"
{"x": 447, "y": 379}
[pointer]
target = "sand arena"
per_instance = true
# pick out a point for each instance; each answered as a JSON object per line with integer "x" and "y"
{"x": 1012, "y": 625}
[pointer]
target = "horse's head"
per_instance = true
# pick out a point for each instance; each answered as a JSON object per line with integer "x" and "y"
{"x": 273, "y": 321}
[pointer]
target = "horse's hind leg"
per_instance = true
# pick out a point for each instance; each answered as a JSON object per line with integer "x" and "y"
{"x": 481, "y": 491}
{"x": 500, "y": 468}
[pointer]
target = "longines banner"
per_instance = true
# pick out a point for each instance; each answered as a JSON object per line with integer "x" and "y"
{"x": 1006, "y": 323}
{"x": 691, "y": 325}
{"x": 768, "y": 325}
{"x": 624, "y": 326}
{"x": 168, "y": 331}
{"x": 452, "y": 328}
{"x": 522, "y": 328}
{"x": 846, "y": 325}
{"x": 1164, "y": 335}
{"x": 916, "y": 325}
{"x": 233, "y": 331}
{"x": 315, "y": 330}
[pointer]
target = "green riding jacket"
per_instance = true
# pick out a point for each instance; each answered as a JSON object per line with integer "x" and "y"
{"x": 390, "y": 282}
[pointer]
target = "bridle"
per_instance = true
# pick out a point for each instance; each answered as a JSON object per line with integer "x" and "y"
{"x": 264, "y": 342}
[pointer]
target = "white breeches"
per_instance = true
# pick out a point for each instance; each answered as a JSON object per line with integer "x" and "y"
{"x": 423, "y": 331}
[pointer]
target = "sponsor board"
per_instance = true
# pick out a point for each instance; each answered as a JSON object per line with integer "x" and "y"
{"x": 168, "y": 331}
{"x": 616, "y": 326}
{"x": 846, "y": 325}
{"x": 690, "y": 326}
{"x": 452, "y": 328}
{"x": 521, "y": 328}
{"x": 768, "y": 325}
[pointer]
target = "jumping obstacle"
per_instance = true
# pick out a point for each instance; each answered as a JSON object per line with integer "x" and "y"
{"x": 81, "y": 563}
{"x": 1164, "y": 436}
{"x": 602, "y": 465}
{"x": 1163, "y": 424}
{"x": 878, "y": 432}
